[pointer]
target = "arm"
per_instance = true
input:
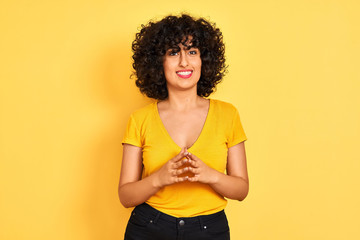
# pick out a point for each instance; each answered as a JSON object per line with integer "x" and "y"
{"x": 132, "y": 189}
{"x": 234, "y": 185}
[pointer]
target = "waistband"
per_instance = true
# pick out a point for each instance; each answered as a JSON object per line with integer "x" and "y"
{"x": 146, "y": 208}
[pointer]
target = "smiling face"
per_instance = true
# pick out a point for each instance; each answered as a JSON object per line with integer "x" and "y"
{"x": 182, "y": 68}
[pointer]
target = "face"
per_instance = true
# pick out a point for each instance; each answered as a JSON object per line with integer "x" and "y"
{"x": 182, "y": 68}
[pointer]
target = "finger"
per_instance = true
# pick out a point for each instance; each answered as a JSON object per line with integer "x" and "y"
{"x": 194, "y": 164}
{"x": 193, "y": 157}
{"x": 178, "y": 179}
{"x": 180, "y": 171}
{"x": 193, "y": 179}
{"x": 193, "y": 170}
{"x": 180, "y": 156}
{"x": 179, "y": 163}
{"x": 173, "y": 172}
{"x": 184, "y": 170}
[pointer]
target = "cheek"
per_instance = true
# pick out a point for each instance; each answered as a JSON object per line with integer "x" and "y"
{"x": 198, "y": 66}
{"x": 169, "y": 66}
{"x": 198, "y": 63}
{"x": 166, "y": 69}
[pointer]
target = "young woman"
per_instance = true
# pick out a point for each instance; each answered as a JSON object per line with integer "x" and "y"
{"x": 177, "y": 149}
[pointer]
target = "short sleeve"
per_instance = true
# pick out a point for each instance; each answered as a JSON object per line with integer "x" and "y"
{"x": 132, "y": 133}
{"x": 236, "y": 134}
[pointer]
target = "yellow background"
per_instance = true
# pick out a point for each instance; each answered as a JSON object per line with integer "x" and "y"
{"x": 66, "y": 96}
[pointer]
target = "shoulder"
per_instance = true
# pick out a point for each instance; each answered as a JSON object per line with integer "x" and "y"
{"x": 143, "y": 113}
{"x": 223, "y": 107}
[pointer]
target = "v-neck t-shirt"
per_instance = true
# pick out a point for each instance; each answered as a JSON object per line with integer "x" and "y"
{"x": 222, "y": 129}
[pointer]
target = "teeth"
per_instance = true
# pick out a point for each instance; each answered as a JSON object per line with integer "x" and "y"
{"x": 184, "y": 73}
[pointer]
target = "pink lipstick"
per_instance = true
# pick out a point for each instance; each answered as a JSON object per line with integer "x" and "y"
{"x": 184, "y": 73}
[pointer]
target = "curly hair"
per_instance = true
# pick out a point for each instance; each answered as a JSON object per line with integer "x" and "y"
{"x": 155, "y": 38}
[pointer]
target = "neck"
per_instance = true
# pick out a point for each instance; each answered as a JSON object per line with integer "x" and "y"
{"x": 183, "y": 100}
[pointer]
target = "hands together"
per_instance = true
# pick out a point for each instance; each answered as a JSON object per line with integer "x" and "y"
{"x": 185, "y": 167}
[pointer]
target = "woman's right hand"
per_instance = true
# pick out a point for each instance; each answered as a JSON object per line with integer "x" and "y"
{"x": 170, "y": 172}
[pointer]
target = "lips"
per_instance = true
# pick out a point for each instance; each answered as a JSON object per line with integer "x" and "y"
{"x": 184, "y": 73}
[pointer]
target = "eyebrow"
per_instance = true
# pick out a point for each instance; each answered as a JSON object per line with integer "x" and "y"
{"x": 178, "y": 48}
{"x": 173, "y": 50}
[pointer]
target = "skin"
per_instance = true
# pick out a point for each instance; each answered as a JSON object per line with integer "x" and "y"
{"x": 183, "y": 115}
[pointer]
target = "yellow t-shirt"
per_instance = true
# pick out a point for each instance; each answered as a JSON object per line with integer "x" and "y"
{"x": 222, "y": 130}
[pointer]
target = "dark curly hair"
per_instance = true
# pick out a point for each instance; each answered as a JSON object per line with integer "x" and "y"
{"x": 155, "y": 38}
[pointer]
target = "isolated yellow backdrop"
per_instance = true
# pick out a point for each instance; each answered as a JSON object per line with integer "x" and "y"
{"x": 66, "y": 96}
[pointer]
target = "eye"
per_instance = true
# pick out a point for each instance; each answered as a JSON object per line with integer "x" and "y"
{"x": 193, "y": 52}
{"x": 173, "y": 53}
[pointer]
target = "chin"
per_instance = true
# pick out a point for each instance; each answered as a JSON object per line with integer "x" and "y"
{"x": 187, "y": 87}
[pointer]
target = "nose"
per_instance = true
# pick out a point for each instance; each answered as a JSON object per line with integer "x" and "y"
{"x": 183, "y": 59}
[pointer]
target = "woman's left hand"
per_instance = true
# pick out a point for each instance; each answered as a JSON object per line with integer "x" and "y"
{"x": 202, "y": 172}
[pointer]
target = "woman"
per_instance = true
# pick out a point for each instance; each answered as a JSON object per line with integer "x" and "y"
{"x": 177, "y": 149}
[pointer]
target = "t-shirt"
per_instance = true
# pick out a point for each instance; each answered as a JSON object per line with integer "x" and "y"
{"x": 222, "y": 129}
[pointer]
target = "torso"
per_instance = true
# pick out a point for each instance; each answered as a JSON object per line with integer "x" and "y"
{"x": 184, "y": 127}
{"x": 214, "y": 132}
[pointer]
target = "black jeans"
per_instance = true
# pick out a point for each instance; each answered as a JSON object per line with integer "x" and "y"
{"x": 147, "y": 223}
